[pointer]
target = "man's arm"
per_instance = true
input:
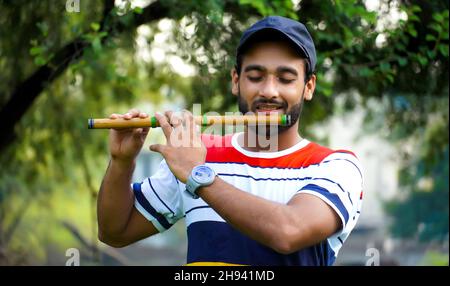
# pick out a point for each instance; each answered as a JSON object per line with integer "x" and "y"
{"x": 306, "y": 219}
{"x": 119, "y": 223}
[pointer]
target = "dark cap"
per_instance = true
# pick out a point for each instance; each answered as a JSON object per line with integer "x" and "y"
{"x": 295, "y": 31}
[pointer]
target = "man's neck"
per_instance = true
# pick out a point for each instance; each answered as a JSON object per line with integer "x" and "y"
{"x": 278, "y": 142}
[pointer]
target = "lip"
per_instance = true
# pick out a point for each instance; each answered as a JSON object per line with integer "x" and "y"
{"x": 268, "y": 108}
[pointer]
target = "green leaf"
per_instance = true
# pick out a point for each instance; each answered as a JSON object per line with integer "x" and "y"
{"x": 43, "y": 27}
{"x": 444, "y": 50}
{"x": 385, "y": 66}
{"x": 438, "y": 17}
{"x": 390, "y": 77}
{"x": 430, "y": 38}
{"x": 95, "y": 26}
{"x": 431, "y": 54}
{"x": 40, "y": 61}
{"x": 36, "y": 51}
{"x": 365, "y": 72}
{"x": 97, "y": 45}
{"x": 402, "y": 61}
{"x": 138, "y": 10}
{"x": 416, "y": 8}
{"x": 436, "y": 27}
{"x": 422, "y": 60}
{"x": 414, "y": 18}
{"x": 412, "y": 31}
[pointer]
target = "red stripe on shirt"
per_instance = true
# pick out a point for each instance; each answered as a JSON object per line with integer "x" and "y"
{"x": 220, "y": 150}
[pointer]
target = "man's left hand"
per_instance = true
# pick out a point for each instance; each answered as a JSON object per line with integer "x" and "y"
{"x": 184, "y": 149}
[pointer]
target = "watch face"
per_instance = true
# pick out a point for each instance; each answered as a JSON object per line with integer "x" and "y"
{"x": 203, "y": 174}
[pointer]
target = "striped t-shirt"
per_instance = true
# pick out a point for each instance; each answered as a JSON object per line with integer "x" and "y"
{"x": 335, "y": 176}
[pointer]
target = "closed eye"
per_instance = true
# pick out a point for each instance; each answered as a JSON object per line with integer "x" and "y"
{"x": 254, "y": 78}
{"x": 285, "y": 80}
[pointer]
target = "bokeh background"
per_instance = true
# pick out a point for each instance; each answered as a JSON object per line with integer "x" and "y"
{"x": 382, "y": 92}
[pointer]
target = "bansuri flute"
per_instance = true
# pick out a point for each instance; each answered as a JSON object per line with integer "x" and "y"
{"x": 275, "y": 119}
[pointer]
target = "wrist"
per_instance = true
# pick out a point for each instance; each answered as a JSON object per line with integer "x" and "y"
{"x": 123, "y": 163}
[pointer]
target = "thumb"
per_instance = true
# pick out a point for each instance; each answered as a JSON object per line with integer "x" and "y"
{"x": 157, "y": 148}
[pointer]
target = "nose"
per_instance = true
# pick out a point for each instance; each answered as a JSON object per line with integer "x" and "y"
{"x": 269, "y": 88}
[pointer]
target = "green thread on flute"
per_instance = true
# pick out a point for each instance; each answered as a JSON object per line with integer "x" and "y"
{"x": 153, "y": 121}
{"x": 283, "y": 119}
{"x": 204, "y": 120}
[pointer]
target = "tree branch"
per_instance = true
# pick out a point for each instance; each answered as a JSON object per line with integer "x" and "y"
{"x": 25, "y": 93}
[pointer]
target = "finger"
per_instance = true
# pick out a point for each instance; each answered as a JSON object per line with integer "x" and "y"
{"x": 131, "y": 114}
{"x": 134, "y": 112}
{"x": 164, "y": 124}
{"x": 145, "y": 131}
{"x": 174, "y": 119}
{"x": 188, "y": 117}
{"x": 143, "y": 115}
{"x": 169, "y": 115}
{"x": 188, "y": 121}
{"x": 115, "y": 116}
{"x": 158, "y": 148}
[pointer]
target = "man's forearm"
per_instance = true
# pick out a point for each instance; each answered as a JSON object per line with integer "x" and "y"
{"x": 116, "y": 199}
{"x": 260, "y": 219}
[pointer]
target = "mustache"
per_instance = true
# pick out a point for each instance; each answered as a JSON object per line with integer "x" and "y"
{"x": 258, "y": 101}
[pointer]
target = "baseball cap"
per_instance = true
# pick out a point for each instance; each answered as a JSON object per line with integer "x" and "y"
{"x": 293, "y": 30}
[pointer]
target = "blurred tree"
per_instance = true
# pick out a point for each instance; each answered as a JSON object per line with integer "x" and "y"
{"x": 59, "y": 68}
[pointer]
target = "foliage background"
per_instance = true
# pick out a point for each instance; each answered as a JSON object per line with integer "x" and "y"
{"x": 58, "y": 68}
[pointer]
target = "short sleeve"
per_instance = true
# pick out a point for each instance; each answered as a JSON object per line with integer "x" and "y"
{"x": 158, "y": 199}
{"x": 338, "y": 180}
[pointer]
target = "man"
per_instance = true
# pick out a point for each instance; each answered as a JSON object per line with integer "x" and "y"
{"x": 244, "y": 204}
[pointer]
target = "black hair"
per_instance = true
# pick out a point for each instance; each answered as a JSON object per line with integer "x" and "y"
{"x": 269, "y": 36}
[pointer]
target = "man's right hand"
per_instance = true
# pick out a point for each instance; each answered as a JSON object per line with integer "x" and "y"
{"x": 125, "y": 144}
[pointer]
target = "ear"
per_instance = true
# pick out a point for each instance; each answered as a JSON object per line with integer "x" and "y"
{"x": 310, "y": 86}
{"x": 234, "y": 82}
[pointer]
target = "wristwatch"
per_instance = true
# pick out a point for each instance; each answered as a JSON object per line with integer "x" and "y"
{"x": 200, "y": 176}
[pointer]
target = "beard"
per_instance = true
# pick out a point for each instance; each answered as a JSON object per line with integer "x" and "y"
{"x": 295, "y": 112}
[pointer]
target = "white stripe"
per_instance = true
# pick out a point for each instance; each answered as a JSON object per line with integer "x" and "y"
{"x": 334, "y": 243}
{"x": 202, "y": 214}
{"x": 154, "y": 201}
{"x": 234, "y": 142}
{"x": 161, "y": 192}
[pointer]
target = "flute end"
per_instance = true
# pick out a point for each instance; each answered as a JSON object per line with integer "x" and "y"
{"x": 90, "y": 123}
{"x": 288, "y": 120}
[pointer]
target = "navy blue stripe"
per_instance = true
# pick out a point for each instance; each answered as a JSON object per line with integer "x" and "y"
{"x": 200, "y": 207}
{"x": 332, "y": 197}
{"x": 328, "y": 180}
{"x": 264, "y": 179}
{"x": 340, "y": 240}
{"x": 350, "y": 198}
{"x": 146, "y": 205}
{"x": 285, "y": 179}
{"x": 153, "y": 189}
{"x": 219, "y": 241}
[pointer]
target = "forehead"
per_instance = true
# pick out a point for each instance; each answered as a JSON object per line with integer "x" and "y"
{"x": 273, "y": 55}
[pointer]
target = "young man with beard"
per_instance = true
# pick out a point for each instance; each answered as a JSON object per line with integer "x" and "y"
{"x": 292, "y": 204}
